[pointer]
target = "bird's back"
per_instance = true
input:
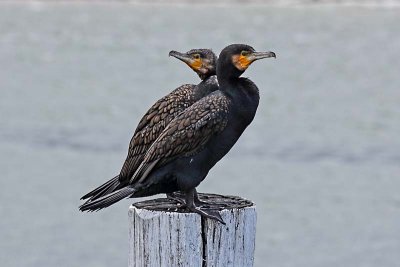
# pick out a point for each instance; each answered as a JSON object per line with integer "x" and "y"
{"x": 153, "y": 123}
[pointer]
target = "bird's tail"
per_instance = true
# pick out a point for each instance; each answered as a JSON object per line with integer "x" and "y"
{"x": 104, "y": 189}
{"x": 107, "y": 200}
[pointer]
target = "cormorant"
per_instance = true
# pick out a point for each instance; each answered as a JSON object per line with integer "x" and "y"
{"x": 193, "y": 142}
{"x": 203, "y": 62}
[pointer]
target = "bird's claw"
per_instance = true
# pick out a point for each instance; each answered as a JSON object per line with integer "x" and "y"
{"x": 202, "y": 204}
{"x": 175, "y": 197}
{"x": 196, "y": 205}
{"x": 214, "y": 215}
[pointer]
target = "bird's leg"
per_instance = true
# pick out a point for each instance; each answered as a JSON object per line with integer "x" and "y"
{"x": 214, "y": 215}
{"x": 199, "y": 202}
{"x": 180, "y": 198}
{"x": 177, "y": 198}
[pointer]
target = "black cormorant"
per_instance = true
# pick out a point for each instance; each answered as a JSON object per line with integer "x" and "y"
{"x": 192, "y": 143}
{"x": 204, "y": 63}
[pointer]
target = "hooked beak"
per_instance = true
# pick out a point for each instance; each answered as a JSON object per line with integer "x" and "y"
{"x": 181, "y": 56}
{"x": 195, "y": 64}
{"x": 260, "y": 55}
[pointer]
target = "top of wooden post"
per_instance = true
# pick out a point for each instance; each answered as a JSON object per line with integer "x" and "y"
{"x": 163, "y": 233}
{"x": 217, "y": 203}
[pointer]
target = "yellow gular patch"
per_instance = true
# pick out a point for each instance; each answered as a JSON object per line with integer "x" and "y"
{"x": 196, "y": 64}
{"x": 241, "y": 62}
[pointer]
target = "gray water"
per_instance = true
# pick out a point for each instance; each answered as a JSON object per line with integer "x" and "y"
{"x": 321, "y": 159}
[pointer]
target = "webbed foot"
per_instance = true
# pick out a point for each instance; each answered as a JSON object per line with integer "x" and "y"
{"x": 214, "y": 215}
{"x": 190, "y": 204}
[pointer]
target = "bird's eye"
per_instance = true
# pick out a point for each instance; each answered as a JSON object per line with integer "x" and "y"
{"x": 196, "y": 56}
{"x": 245, "y": 53}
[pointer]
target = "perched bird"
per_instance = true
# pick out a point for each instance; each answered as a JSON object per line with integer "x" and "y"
{"x": 194, "y": 141}
{"x": 203, "y": 62}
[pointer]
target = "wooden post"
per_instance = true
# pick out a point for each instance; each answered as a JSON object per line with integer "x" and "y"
{"x": 162, "y": 234}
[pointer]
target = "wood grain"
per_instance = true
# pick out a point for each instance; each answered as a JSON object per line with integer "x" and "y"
{"x": 161, "y": 234}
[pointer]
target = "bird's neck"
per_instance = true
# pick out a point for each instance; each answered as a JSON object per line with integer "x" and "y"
{"x": 228, "y": 77}
{"x": 203, "y": 76}
{"x": 228, "y": 85}
{"x": 241, "y": 91}
{"x": 207, "y": 86}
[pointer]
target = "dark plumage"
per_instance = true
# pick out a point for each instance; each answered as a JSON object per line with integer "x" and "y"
{"x": 193, "y": 142}
{"x": 203, "y": 62}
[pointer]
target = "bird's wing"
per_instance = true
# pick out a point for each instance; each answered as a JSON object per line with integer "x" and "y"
{"x": 151, "y": 126}
{"x": 186, "y": 134}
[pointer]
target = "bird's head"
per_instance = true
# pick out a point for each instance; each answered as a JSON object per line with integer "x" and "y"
{"x": 236, "y": 58}
{"x": 202, "y": 61}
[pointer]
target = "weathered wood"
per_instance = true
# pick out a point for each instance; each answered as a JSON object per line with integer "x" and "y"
{"x": 162, "y": 234}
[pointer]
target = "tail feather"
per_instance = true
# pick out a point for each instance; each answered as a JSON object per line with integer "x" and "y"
{"x": 103, "y": 189}
{"x": 112, "y": 187}
{"x": 107, "y": 200}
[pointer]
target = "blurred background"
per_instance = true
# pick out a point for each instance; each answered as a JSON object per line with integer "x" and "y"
{"x": 321, "y": 159}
